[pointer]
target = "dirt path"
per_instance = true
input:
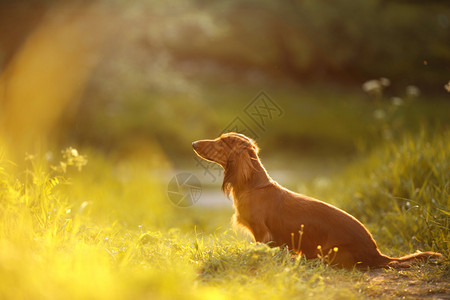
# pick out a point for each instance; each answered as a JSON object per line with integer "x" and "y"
{"x": 416, "y": 283}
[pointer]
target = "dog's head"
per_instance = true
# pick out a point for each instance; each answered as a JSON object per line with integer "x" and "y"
{"x": 234, "y": 152}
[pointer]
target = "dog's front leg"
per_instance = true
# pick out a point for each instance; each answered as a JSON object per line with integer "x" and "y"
{"x": 261, "y": 233}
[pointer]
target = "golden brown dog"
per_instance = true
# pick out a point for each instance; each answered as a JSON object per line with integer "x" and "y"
{"x": 279, "y": 217}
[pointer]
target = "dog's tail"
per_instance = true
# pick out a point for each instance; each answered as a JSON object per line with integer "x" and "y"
{"x": 409, "y": 260}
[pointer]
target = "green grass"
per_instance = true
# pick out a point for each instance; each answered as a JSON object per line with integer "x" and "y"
{"x": 109, "y": 232}
{"x": 401, "y": 191}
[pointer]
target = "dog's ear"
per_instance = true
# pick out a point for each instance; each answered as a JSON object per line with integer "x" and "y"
{"x": 239, "y": 169}
{"x": 244, "y": 165}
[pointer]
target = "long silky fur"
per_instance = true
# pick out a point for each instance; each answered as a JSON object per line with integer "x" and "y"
{"x": 239, "y": 168}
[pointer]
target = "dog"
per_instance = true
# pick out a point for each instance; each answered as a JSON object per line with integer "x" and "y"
{"x": 279, "y": 217}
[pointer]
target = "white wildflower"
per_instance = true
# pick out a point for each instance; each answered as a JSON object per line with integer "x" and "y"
{"x": 412, "y": 91}
{"x": 447, "y": 86}
{"x": 397, "y": 101}
{"x": 376, "y": 86}
{"x": 379, "y": 114}
{"x": 385, "y": 81}
{"x": 372, "y": 86}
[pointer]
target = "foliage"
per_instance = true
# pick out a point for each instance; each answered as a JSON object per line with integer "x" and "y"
{"x": 402, "y": 192}
{"x": 410, "y": 191}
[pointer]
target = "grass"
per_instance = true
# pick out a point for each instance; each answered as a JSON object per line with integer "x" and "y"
{"x": 109, "y": 232}
{"x": 406, "y": 185}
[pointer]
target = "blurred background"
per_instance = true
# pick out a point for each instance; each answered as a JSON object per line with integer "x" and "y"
{"x": 140, "y": 80}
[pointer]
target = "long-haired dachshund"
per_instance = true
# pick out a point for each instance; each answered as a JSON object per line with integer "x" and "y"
{"x": 279, "y": 217}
